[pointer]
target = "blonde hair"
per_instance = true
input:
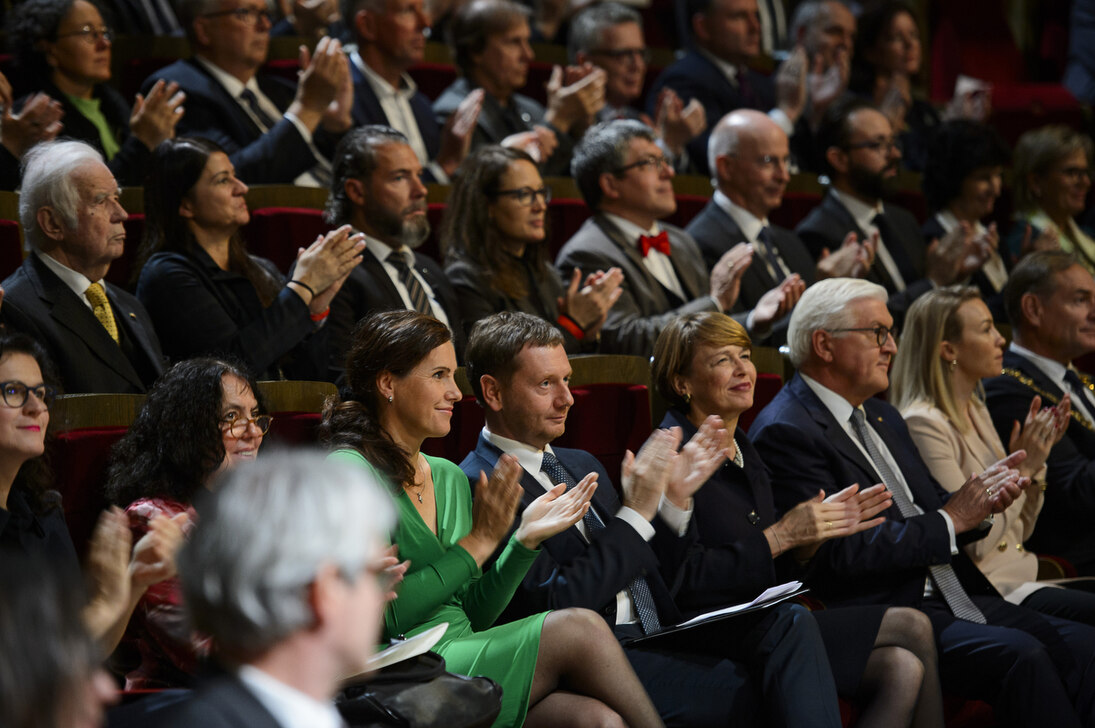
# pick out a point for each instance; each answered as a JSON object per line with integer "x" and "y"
{"x": 676, "y": 347}
{"x": 918, "y": 368}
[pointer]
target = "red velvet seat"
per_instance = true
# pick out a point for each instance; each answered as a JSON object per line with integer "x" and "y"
{"x": 287, "y": 68}
{"x": 79, "y": 459}
{"x": 796, "y": 206}
{"x": 766, "y": 389}
{"x": 913, "y": 201}
{"x": 564, "y": 217}
{"x": 293, "y": 429}
{"x": 688, "y": 206}
{"x": 433, "y": 78}
{"x": 467, "y": 422}
{"x": 1018, "y": 108}
{"x": 277, "y": 232}
{"x": 606, "y": 420}
{"x": 121, "y": 270}
{"x": 134, "y": 71}
{"x": 11, "y": 249}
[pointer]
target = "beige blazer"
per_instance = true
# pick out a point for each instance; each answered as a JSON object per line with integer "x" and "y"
{"x": 952, "y": 456}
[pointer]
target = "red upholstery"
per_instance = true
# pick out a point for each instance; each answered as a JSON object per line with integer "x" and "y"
{"x": 122, "y": 269}
{"x": 287, "y": 68}
{"x": 135, "y": 70}
{"x": 795, "y": 207}
{"x": 11, "y": 250}
{"x": 467, "y": 421}
{"x": 79, "y": 459}
{"x": 293, "y": 429}
{"x": 973, "y": 38}
{"x": 564, "y": 217}
{"x": 913, "y": 201}
{"x": 535, "y": 85}
{"x": 606, "y": 420}
{"x": 277, "y": 232}
{"x": 1017, "y": 108}
{"x": 688, "y": 206}
{"x": 433, "y": 78}
{"x": 767, "y": 387}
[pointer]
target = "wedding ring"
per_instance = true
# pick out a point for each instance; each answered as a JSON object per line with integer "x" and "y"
{"x": 828, "y": 525}
{"x": 989, "y": 492}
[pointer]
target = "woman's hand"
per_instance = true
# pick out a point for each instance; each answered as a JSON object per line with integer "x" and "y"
{"x": 588, "y": 305}
{"x": 390, "y": 571}
{"x": 493, "y": 509}
{"x": 108, "y": 572}
{"x": 326, "y": 263}
{"x": 555, "y": 511}
{"x": 696, "y": 462}
{"x": 644, "y": 477}
{"x": 154, "y": 555}
{"x": 1040, "y": 431}
{"x": 154, "y": 117}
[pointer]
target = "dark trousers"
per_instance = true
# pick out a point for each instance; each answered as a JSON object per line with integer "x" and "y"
{"x": 1077, "y": 602}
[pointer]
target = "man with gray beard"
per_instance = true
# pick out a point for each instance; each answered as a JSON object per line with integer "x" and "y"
{"x": 378, "y": 189}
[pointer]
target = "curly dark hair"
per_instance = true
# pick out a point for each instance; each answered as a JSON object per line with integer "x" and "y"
{"x": 386, "y": 341}
{"x": 34, "y": 21}
{"x": 468, "y": 234}
{"x": 35, "y": 477}
{"x": 175, "y": 443}
{"x": 956, "y": 149}
{"x": 872, "y": 25}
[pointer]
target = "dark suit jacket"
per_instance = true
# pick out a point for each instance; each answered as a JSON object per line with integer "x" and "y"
{"x": 39, "y": 304}
{"x": 278, "y": 156}
{"x": 1064, "y": 525}
{"x": 569, "y": 572}
{"x": 827, "y": 225}
{"x": 370, "y": 289}
{"x": 221, "y": 702}
{"x": 807, "y": 450}
{"x": 994, "y": 299}
{"x": 694, "y": 76}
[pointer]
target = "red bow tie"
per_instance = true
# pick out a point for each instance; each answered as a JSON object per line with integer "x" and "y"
{"x": 659, "y": 242}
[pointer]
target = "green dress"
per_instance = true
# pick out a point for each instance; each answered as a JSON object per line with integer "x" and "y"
{"x": 444, "y": 584}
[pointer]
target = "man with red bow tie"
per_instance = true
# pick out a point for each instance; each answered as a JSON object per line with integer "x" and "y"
{"x": 625, "y": 179}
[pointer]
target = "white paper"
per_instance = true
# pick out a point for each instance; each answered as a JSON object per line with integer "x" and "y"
{"x": 403, "y": 650}
{"x": 772, "y": 594}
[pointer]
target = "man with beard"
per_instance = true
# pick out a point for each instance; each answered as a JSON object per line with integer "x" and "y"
{"x": 377, "y": 188}
{"x": 861, "y": 157}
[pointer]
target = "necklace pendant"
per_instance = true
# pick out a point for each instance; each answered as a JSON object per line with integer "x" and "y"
{"x": 419, "y": 497}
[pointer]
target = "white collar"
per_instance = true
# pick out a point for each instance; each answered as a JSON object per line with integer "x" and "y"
{"x": 728, "y": 69}
{"x": 1055, "y": 370}
{"x": 231, "y": 84}
{"x": 75, "y": 280}
{"x": 630, "y": 230}
{"x": 861, "y": 212}
{"x": 291, "y": 707}
{"x": 749, "y": 224}
{"x": 948, "y": 222}
{"x": 407, "y": 87}
{"x": 381, "y": 251}
{"x": 530, "y": 458}
{"x": 840, "y": 408}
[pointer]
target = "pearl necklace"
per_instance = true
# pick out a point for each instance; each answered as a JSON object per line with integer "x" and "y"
{"x": 738, "y": 459}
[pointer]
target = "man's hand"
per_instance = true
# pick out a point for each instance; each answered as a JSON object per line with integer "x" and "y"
{"x": 555, "y": 511}
{"x": 989, "y": 492}
{"x": 38, "y": 121}
{"x": 588, "y": 305}
{"x": 154, "y": 117}
{"x": 645, "y": 476}
{"x": 678, "y": 124}
{"x": 791, "y": 84}
{"x": 322, "y": 88}
{"x": 458, "y": 132}
{"x": 778, "y": 302}
{"x": 727, "y": 273}
{"x": 573, "y": 107}
{"x": 851, "y": 260}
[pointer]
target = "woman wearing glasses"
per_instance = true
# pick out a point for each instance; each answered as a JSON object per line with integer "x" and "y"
{"x": 63, "y": 49}
{"x": 201, "y": 418}
{"x": 494, "y": 235}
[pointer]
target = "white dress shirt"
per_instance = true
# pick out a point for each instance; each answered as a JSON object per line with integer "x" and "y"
{"x": 750, "y": 226}
{"x": 289, "y": 706}
{"x": 380, "y": 251}
{"x": 77, "y": 282}
{"x": 656, "y": 262}
{"x": 1055, "y": 371}
{"x": 864, "y": 215}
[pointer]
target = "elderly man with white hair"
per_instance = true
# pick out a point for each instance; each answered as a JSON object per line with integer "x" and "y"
{"x": 825, "y": 431}
{"x": 99, "y": 336}
{"x": 284, "y": 571}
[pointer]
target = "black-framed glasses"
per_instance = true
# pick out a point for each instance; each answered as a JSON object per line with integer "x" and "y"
{"x": 244, "y": 15}
{"x": 1075, "y": 174}
{"x": 15, "y": 393}
{"x": 237, "y": 427}
{"x": 526, "y": 195}
{"x": 90, "y": 34}
{"x": 878, "y": 145}
{"x": 655, "y": 162}
{"x": 881, "y": 333}
{"x": 639, "y": 54}
{"x": 768, "y": 160}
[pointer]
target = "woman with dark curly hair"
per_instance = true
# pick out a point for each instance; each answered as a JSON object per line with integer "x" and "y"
{"x": 202, "y": 416}
{"x": 63, "y": 49}
{"x": 496, "y": 251}
{"x": 207, "y": 295}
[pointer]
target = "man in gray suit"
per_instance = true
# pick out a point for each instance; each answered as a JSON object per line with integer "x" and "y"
{"x": 626, "y": 180}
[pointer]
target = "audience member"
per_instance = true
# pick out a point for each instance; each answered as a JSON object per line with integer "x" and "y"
{"x": 763, "y": 670}
{"x": 271, "y": 132}
{"x": 947, "y": 419}
{"x": 207, "y": 295}
{"x": 825, "y": 430}
{"x": 627, "y": 182}
{"x": 1050, "y": 300}
{"x": 496, "y": 248}
{"x": 1051, "y": 178}
{"x": 200, "y": 419}
{"x": 882, "y": 657}
{"x": 286, "y": 572}
{"x": 391, "y": 37}
{"x": 64, "y": 51}
{"x": 155, "y": 17}
{"x": 39, "y": 120}
{"x": 378, "y": 191}
{"x": 401, "y": 388}
{"x": 490, "y": 42}
{"x": 100, "y": 336}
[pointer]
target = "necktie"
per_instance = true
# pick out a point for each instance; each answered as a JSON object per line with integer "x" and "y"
{"x": 942, "y": 574}
{"x": 265, "y": 120}
{"x": 748, "y": 98}
{"x": 639, "y": 589}
{"x": 100, "y": 306}
{"x": 659, "y": 242}
{"x": 417, "y": 293}
{"x": 769, "y": 256}
{"x": 885, "y": 233}
{"x": 1079, "y": 389}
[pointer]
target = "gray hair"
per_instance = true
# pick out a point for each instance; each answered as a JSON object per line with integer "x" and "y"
{"x": 264, "y": 535}
{"x": 355, "y": 158}
{"x": 350, "y": 8}
{"x": 806, "y": 15}
{"x": 587, "y": 26}
{"x": 47, "y": 182}
{"x": 602, "y": 150}
{"x": 824, "y": 306}
{"x": 474, "y": 23}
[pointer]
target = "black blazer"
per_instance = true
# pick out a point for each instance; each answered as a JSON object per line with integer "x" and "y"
{"x": 220, "y": 702}
{"x": 39, "y": 304}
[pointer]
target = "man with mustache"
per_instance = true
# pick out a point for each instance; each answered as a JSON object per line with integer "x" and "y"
{"x": 378, "y": 189}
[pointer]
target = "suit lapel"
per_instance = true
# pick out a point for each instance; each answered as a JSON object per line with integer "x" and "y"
{"x": 381, "y": 280}
{"x": 655, "y": 293}
{"x": 367, "y": 108}
{"x": 244, "y": 130}
{"x": 834, "y": 432}
{"x": 127, "y": 318}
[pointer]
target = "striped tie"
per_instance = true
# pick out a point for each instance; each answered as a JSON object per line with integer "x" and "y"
{"x": 100, "y": 306}
{"x": 415, "y": 291}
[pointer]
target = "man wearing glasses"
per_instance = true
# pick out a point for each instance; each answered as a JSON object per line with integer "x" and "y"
{"x": 272, "y": 132}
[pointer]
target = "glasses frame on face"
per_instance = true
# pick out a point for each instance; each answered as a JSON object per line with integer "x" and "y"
{"x": 881, "y": 333}
{"x": 881, "y": 146}
{"x": 617, "y": 54}
{"x": 658, "y": 162}
{"x": 1075, "y": 174}
{"x": 44, "y": 392}
{"x": 242, "y": 424}
{"x": 90, "y": 34}
{"x": 244, "y": 15}
{"x": 766, "y": 161}
{"x": 525, "y": 195}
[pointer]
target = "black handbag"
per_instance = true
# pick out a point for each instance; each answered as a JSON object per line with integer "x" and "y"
{"x": 419, "y": 693}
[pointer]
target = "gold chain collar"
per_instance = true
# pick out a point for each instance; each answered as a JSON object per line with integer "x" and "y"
{"x": 1047, "y": 397}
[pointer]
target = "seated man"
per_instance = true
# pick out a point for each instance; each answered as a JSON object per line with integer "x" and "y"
{"x": 709, "y": 676}
{"x": 823, "y": 431}
{"x": 99, "y": 336}
{"x": 627, "y": 181}
{"x": 284, "y": 572}
{"x": 1050, "y": 300}
{"x": 377, "y": 190}
{"x": 272, "y": 132}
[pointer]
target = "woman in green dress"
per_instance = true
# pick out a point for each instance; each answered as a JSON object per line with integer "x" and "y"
{"x": 556, "y": 668}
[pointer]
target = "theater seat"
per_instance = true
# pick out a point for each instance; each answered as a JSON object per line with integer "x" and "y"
{"x": 606, "y": 420}
{"x": 433, "y": 78}
{"x": 796, "y": 206}
{"x": 767, "y": 387}
{"x": 688, "y": 206}
{"x": 121, "y": 270}
{"x": 297, "y": 408}
{"x": 564, "y": 217}
{"x": 11, "y": 248}
{"x": 277, "y": 232}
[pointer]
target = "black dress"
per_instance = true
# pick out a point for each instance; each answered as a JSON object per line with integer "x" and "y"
{"x": 41, "y": 535}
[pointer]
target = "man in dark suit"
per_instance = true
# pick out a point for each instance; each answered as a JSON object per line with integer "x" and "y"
{"x": 823, "y": 431}
{"x": 289, "y": 586}
{"x": 377, "y": 189}
{"x": 1050, "y": 300}
{"x": 709, "y": 676}
{"x": 272, "y": 132}
{"x": 626, "y": 180}
{"x": 99, "y": 336}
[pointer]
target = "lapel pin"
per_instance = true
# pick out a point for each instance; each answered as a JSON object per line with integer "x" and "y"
{"x": 132, "y": 315}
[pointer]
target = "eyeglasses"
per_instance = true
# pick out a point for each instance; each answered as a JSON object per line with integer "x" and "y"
{"x": 1075, "y": 174}
{"x": 16, "y": 393}
{"x": 244, "y": 15}
{"x": 525, "y": 195}
{"x": 616, "y": 54}
{"x": 881, "y": 333}
{"x": 769, "y": 161}
{"x": 237, "y": 426}
{"x": 90, "y": 35}
{"x": 878, "y": 145}
{"x": 658, "y": 164}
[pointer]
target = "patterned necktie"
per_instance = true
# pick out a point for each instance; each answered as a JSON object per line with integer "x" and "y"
{"x": 769, "y": 256}
{"x": 264, "y": 119}
{"x": 100, "y": 306}
{"x": 942, "y": 574}
{"x": 639, "y": 589}
{"x": 1079, "y": 389}
{"x": 415, "y": 291}
{"x": 659, "y": 242}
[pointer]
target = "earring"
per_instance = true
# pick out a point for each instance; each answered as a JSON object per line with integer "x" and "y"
{"x": 389, "y": 399}
{"x": 686, "y": 397}
{"x": 953, "y": 363}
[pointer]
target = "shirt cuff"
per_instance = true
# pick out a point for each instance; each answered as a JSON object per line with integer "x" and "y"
{"x": 640, "y": 524}
{"x": 782, "y": 120}
{"x": 674, "y": 517}
{"x": 749, "y": 321}
{"x": 950, "y": 531}
{"x": 305, "y": 132}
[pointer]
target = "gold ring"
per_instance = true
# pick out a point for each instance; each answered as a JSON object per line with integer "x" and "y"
{"x": 828, "y": 525}
{"x": 988, "y": 492}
